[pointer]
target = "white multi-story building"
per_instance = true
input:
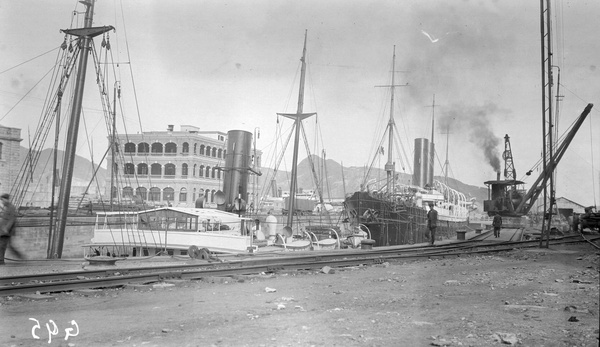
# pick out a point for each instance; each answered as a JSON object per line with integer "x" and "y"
{"x": 169, "y": 167}
{"x": 10, "y": 157}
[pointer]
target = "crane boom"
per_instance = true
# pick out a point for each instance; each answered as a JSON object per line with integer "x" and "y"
{"x": 533, "y": 193}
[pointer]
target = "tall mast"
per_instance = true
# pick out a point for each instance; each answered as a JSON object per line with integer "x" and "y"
{"x": 433, "y": 119}
{"x": 113, "y": 145}
{"x": 446, "y": 163}
{"x": 431, "y": 155}
{"x": 54, "y": 163}
{"x": 298, "y": 117}
{"x": 85, "y": 36}
{"x": 389, "y": 166}
{"x": 546, "y": 57}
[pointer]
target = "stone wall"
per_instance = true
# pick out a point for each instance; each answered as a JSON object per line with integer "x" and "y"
{"x": 31, "y": 237}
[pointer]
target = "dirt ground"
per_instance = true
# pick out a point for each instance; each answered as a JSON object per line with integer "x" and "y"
{"x": 535, "y": 297}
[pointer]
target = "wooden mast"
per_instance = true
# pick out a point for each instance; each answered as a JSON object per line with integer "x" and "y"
{"x": 85, "y": 36}
{"x": 298, "y": 117}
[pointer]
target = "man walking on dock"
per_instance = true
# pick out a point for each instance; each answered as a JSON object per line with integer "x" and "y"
{"x": 497, "y": 224}
{"x": 432, "y": 217}
{"x": 8, "y": 218}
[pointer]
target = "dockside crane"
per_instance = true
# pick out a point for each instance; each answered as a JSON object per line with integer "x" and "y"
{"x": 542, "y": 180}
{"x": 504, "y": 196}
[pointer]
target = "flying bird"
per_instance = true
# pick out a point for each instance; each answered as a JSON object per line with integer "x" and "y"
{"x": 433, "y": 40}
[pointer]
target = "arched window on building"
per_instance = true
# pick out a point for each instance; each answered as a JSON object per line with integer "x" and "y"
{"x": 212, "y": 174}
{"x": 224, "y": 153}
{"x": 207, "y": 175}
{"x": 220, "y": 153}
{"x": 143, "y": 148}
{"x": 208, "y": 151}
{"x": 195, "y": 148}
{"x": 157, "y": 148}
{"x": 156, "y": 169}
{"x": 194, "y": 196}
{"x": 142, "y": 193}
{"x": 218, "y": 174}
{"x": 168, "y": 194}
{"x": 154, "y": 194}
{"x": 184, "y": 169}
{"x": 201, "y": 171}
{"x": 194, "y": 172}
{"x": 171, "y": 148}
{"x": 142, "y": 169}
{"x": 214, "y": 152}
{"x": 202, "y": 149}
{"x": 185, "y": 148}
{"x": 127, "y": 192}
{"x": 170, "y": 169}
{"x": 130, "y": 148}
{"x": 207, "y": 196}
{"x": 183, "y": 195}
{"x": 212, "y": 195}
{"x": 129, "y": 169}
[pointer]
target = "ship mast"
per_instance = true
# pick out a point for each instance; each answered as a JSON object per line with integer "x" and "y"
{"x": 298, "y": 117}
{"x": 390, "y": 165}
{"x": 85, "y": 36}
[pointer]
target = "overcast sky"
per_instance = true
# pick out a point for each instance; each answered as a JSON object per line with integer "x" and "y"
{"x": 224, "y": 65}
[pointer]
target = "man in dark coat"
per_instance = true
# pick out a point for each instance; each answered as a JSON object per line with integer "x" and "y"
{"x": 432, "y": 217}
{"x": 497, "y": 224}
{"x": 8, "y": 218}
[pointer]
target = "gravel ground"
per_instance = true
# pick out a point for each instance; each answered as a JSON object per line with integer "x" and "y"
{"x": 534, "y": 297}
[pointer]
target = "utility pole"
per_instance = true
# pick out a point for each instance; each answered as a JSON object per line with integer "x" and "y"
{"x": 546, "y": 60}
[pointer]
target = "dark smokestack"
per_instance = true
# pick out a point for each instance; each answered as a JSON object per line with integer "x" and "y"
{"x": 498, "y": 175}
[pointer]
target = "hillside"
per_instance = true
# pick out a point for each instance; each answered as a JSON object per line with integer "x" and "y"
{"x": 352, "y": 178}
{"x": 82, "y": 170}
{"x": 40, "y": 187}
{"x": 333, "y": 186}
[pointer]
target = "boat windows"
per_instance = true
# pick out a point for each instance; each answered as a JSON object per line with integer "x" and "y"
{"x": 167, "y": 220}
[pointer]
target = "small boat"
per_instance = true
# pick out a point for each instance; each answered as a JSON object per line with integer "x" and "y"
{"x": 196, "y": 232}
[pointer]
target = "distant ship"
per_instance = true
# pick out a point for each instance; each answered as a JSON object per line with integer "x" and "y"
{"x": 397, "y": 213}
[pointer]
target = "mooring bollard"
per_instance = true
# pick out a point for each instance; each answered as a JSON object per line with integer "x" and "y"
{"x": 367, "y": 244}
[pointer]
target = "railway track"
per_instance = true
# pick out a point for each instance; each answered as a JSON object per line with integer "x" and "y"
{"x": 106, "y": 278}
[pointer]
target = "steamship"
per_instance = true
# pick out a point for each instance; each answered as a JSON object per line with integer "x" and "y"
{"x": 397, "y": 213}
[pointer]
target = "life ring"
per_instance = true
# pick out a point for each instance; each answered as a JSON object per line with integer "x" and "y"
{"x": 204, "y": 254}
{"x": 193, "y": 252}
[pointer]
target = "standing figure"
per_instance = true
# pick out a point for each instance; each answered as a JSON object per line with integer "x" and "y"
{"x": 497, "y": 224}
{"x": 432, "y": 217}
{"x": 8, "y": 217}
{"x": 271, "y": 223}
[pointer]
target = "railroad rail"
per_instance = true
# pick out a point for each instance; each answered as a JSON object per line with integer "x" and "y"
{"x": 106, "y": 278}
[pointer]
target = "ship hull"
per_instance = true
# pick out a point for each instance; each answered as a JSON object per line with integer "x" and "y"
{"x": 393, "y": 224}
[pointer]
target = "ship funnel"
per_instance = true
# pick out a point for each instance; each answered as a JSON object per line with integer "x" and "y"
{"x": 237, "y": 166}
{"x": 423, "y": 166}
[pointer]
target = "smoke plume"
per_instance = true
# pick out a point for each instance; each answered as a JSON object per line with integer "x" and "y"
{"x": 474, "y": 122}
